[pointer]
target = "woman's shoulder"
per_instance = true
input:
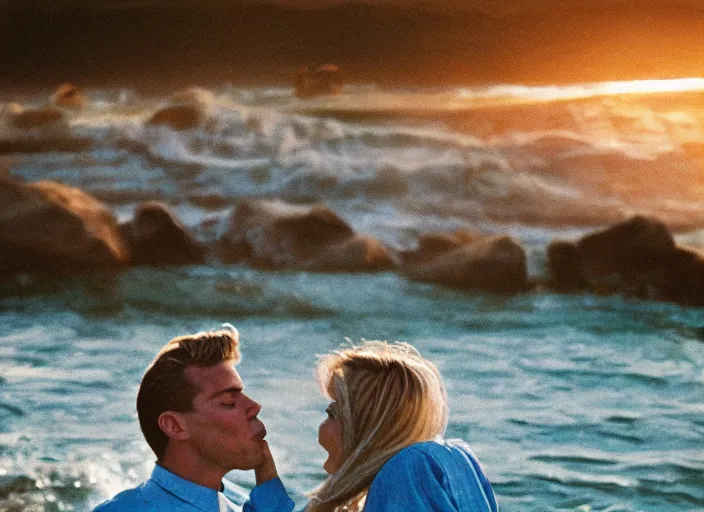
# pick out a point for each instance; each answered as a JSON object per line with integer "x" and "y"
{"x": 429, "y": 455}
{"x": 438, "y": 467}
{"x": 437, "y": 448}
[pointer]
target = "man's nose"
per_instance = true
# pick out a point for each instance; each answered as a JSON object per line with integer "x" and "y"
{"x": 253, "y": 408}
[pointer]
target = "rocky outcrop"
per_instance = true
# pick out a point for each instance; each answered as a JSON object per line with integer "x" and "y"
{"x": 320, "y": 80}
{"x": 468, "y": 261}
{"x": 27, "y": 119}
{"x": 47, "y": 226}
{"x": 69, "y": 96}
{"x": 186, "y": 110}
{"x": 565, "y": 274}
{"x": 273, "y": 234}
{"x": 156, "y": 237}
{"x": 358, "y": 253}
{"x": 26, "y": 130}
{"x": 637, "y": 258}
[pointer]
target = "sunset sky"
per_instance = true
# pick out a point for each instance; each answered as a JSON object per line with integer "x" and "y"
{"x": 396, "y": 41}
{"x": 504, "y": 6}
{"x": 488, "y": 6}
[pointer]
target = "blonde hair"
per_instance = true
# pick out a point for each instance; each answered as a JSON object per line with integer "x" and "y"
{"x": 165, "y": 386}
{"x": 388, "y": 398}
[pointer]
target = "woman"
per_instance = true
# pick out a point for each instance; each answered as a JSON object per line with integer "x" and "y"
{"x": 389, "y": 407}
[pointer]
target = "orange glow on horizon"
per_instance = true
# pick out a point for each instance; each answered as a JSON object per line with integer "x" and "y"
{"x": 582, "y": 91}
{"x": 466, "y": 99}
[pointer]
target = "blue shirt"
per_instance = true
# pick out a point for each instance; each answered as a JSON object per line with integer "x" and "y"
{"x": 167, "y": 492}
{"x": 438, "y": 476}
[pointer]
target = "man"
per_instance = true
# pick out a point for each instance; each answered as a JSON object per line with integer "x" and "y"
{"x": 200, "y": 425}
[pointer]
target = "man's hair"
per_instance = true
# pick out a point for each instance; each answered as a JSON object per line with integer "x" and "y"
{"x": 165, "y": 386}
{"x": 387, "y": 398}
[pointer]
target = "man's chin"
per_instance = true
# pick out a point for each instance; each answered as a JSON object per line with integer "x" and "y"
{"x": 253, "y": 462}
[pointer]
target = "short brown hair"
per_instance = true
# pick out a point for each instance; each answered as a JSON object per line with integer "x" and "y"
{"x": 165, "y": 386}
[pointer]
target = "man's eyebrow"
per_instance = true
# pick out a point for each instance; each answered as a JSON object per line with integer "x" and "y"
{"x": 232, "y": 389}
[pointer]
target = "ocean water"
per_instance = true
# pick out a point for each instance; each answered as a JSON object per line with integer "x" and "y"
{"x": 571, "y": 402}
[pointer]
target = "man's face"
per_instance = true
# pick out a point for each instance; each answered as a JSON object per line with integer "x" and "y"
{"x": 223, "y": 427}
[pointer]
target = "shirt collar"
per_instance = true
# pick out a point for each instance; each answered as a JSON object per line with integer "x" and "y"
{"x": 201, "y": 497}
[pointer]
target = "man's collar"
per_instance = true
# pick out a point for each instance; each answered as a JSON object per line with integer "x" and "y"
{"x": 201, "y": 497}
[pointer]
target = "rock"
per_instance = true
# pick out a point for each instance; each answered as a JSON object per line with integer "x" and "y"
{"x": 273, "y": 234}
{"x": 27, "y": 119}
{"x": 187, "y": 110}
{"x": 564, "y": 267}
{"x": 47, "y": 226}
{"x": 278, "y": 234}
{"x": 69, "y": 96}
{"x": 681, "y": 279}
{"x": 430, "y": 245}
{"x": 36, "y": 130}
{"x": 624, "y": 250}
{"x": 359, "y": 253}
{"x": 156, "y": 237}
{"x": 179, "y": 117}
{"x": 321, "y": 80}
{"x": 495, "y": 264}
{"x": 636, "y": 258}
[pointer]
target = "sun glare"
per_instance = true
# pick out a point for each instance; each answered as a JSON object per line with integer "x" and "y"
{"x": 652, "y": 86}
{"x": 580, "y": 91}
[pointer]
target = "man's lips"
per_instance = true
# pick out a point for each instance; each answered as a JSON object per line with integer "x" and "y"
{"x": 258, "y": 429}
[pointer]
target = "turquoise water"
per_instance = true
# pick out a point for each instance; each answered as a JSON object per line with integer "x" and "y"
{"x": 571, "y": 403}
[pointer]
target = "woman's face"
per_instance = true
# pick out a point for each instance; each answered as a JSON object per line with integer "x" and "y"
{"x": 330, "y": 438}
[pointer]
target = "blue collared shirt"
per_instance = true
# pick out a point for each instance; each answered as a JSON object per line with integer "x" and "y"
{"x": 437, "y": 476}
{"x": 167, "y": 492}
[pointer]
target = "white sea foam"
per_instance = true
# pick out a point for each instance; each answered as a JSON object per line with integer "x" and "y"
{"x": 527, "y": 159}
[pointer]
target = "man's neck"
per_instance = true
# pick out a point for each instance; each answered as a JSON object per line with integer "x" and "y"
{"x": 192, "y": 469}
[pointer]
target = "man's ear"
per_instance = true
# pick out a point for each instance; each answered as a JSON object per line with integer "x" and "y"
{"x": 174, "y": 425}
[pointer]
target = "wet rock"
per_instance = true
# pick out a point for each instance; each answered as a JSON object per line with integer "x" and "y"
{"x": 69, "y": 96}
{"x": 626, "y": 249}
{"x": 320, "y": 80}
{"x": 273, "y": 234}
{"x": 468, "y": 261}
{"x": 156, "y": 237}
{"x": 47, "y": 226}
{"x": 29, "y": 130}
{"x": 564, "y": 267}
{"x": 187, "y": 110}
{"x": 430, "y": 245}
{"x": 358, "y": 253}
{"x": 27, "y": 119}
{"x": 681, "y": 278}
{"x": 637, "y": 258}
